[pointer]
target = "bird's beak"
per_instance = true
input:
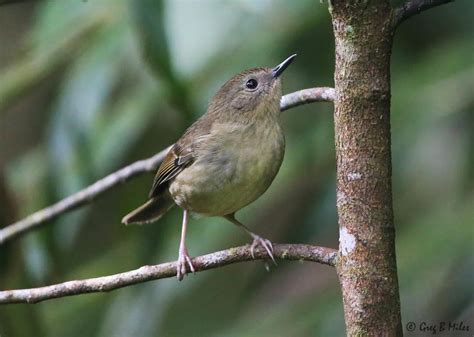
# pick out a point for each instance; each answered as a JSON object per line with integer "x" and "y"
{"x": 282, "y": 66}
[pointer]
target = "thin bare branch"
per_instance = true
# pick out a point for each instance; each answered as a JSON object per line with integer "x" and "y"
{"x": 165, "y": 270}
{"x": 306, "y": 96}
{"x": 413, "y": 7}
{"x": 82, "y": 197}
{"x": 93, "y": 191}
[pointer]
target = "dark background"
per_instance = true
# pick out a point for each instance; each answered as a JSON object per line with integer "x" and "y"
{"x": 87, "y": 87}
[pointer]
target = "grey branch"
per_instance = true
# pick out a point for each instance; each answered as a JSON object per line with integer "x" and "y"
{"x": 82, "y": 197}
{"x": 413, "y": 7}
{"x": 299, "y": 252}
{"x": 306, "y": 96}
{"x": 147, "y": 165}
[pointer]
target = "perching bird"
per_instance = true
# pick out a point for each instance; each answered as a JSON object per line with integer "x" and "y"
{"x": 225, "y": 160}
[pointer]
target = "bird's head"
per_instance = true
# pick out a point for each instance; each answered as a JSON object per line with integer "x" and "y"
{"x": 251, "y": 92}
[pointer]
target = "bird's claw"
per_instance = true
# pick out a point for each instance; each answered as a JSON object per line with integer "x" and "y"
{"x": 266, "y": 244}
{"x": 183, "y": 260}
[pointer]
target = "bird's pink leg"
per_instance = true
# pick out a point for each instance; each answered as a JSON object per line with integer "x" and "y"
{"x": 257, "y": 240}
{"x": 183, "y": 258}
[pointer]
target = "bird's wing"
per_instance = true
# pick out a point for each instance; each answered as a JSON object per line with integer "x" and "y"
{"x": 182, "y": 154}
{"x": 177, "y": 159}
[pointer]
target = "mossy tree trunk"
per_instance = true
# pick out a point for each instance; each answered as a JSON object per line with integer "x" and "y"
{"x": 366, "y": 265}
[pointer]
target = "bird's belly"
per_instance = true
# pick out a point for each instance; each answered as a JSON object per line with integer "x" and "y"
{"x": 225, "y": 180}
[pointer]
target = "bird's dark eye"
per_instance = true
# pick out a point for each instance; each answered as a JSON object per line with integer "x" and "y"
{"x": 251, "y": 84}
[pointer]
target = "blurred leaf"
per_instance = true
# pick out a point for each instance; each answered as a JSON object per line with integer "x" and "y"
{"x": 149, "y": 19}
{"x": 115, "y": 133}
{"x": 35, "y": 67}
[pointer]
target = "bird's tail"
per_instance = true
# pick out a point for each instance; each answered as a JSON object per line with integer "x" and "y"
{"x": 151, "y": 211}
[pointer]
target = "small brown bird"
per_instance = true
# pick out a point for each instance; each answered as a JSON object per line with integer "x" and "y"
{"x": 225, "y": 160}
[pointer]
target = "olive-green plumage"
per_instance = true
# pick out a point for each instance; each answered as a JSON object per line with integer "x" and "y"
{"x": 227, "y": 158}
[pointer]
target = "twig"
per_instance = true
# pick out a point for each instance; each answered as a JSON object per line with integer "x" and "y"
{"x": 93, "y": 191}
{"x": 82, "y": 197}
{"x": 165, "y": 270}
{"x": 306, "y": 96}
{"x": 413, "y": 7}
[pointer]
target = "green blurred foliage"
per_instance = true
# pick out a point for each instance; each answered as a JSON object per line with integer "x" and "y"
{"x": 89, "y": 86}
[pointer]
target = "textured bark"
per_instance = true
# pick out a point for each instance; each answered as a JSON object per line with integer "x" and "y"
{"x": 367, "y": 265}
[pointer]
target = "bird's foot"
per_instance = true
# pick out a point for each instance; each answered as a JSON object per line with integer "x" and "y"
{"x": 183, "y": 260}
{"x": 266, "y": 244}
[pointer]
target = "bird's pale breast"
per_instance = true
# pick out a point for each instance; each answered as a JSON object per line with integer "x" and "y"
{"x": 234, "y": 166}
